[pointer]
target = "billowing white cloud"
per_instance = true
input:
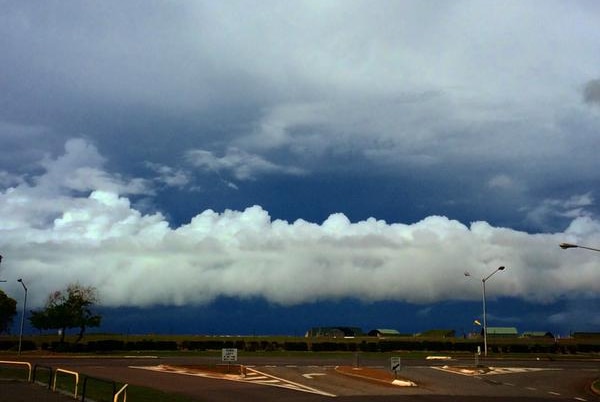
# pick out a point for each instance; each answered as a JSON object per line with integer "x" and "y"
{"x": 575, "y": 206}
{"x": 169, "y": 176}
{"x": 50, "y": 236}
{"x": 242, "y": 165}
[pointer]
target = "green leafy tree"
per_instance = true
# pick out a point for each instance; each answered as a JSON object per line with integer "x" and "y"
{"x": 8, "y": 310}
{"x": 68, "y": 308}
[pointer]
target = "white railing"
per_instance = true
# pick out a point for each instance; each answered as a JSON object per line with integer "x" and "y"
{"x": 73, "y": 373}
{"x": 20, "y": 363}
{"x": 123, "y": 391}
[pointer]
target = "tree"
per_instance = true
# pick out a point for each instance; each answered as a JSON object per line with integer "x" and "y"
{"x": 68, "y": 308}
{"x": 8, "y": 310}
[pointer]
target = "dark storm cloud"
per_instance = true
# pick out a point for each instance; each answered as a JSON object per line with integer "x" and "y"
{"x": 591, "y": 92}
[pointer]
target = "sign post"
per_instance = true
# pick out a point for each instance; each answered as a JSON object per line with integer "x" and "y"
{"x": 395, "y": 365}
{"x": 229, "y": 355}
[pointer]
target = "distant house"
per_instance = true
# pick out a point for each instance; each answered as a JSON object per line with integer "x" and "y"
{"x": 334, "y": 332}
{"x": 502, "y": 332}
{"x": 382, "y": 333}
{"x": 537, "y": 334}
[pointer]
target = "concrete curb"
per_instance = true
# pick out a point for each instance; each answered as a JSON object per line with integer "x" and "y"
{"x": 594, "y": 388}
{"x": 374, "y": 375}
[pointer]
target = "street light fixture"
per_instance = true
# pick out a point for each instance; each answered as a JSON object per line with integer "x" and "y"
{"x": 565, "y": 246}
{"x": 22, "y": 315}
{"x": 483, "y": 281}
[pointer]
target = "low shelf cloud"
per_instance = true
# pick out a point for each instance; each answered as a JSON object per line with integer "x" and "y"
{"x": 89, "y": 231}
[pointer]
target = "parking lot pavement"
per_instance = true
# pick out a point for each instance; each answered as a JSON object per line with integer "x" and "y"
{"x": 20, "y": 391}
{"x": 375, "y": 375}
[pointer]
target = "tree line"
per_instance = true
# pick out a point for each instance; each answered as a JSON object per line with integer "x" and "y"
{"x": 64, "y": 309}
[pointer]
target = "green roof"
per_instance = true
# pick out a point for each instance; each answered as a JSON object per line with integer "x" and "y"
{"x": 387, "y": 331}
{"x": 502, "y": 331}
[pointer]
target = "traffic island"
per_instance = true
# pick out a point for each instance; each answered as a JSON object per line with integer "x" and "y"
{"x": 374, "y": 375}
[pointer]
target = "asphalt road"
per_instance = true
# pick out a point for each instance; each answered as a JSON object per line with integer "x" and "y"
{"x": 315, "y": 379}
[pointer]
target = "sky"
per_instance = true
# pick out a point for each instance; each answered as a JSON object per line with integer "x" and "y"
{"x": 264, "y": 167}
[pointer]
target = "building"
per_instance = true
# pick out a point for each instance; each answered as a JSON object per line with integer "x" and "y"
{"x": 334, "y": 332}
{"x": 537, "y": 334}
{"x": 502, "y": 332}
{"x": 382, "y": 333}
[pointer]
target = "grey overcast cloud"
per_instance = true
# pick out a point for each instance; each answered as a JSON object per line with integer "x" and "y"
{"x": 293, "y": 154}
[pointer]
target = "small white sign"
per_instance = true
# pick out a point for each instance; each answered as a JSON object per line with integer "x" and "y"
{"x": 395, "y": 364}
{"x": 229, "y": 355}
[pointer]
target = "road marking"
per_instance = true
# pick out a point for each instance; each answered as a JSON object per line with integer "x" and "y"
{"x": 438, "y": 358}
{"x": 252, "y": 376}
{"x": 553, "y": 393}
{"x": 491, "y": 370}
{"x": 311, "y": 376}
{"x": 580, "y": 399}
{"x": 282, "y": 383}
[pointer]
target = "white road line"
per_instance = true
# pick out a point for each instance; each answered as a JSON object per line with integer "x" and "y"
{"x": 553, "y": 393}
{"x": 580, "y": 399}
{"x": 492, "y": 370}
{"x": 252, "y": 377}
{"x": 267, "y": 382}
{"x": 293, "y": 385}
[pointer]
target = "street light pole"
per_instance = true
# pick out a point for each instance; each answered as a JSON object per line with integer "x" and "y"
{"x": 483, "y": 281}
{"x": 565, "y": 246}
{"x": 22, "y": 315}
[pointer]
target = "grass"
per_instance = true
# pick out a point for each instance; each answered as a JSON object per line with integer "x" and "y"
{"x": 99, "y": 391}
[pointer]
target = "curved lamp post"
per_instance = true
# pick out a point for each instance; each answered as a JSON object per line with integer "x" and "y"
{"x": 22, "y": 315}
{"x": 565, "y": 246}
{"x": 483, "y": 281}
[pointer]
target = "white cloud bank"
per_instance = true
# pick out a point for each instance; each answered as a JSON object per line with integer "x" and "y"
{"x": 58, "y": 228}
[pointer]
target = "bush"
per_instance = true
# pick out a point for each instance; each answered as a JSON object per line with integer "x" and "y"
{"x": 369, "y": 347}
{"x": 329, "y": 347}
{"x": 151, "y": 345}
{"x": 106, "y": 345}
{"x": 295, "y": 346}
